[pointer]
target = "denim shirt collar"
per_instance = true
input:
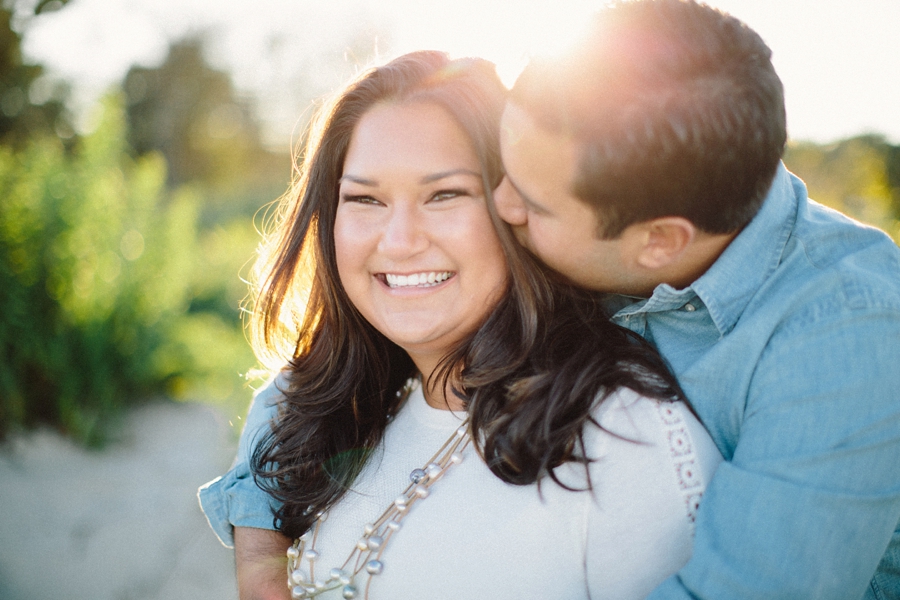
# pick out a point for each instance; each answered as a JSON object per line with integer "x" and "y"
{"x": 728, "y": 285}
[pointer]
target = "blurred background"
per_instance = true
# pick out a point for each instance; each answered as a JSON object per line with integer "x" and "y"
{"x": 140, "y": 142}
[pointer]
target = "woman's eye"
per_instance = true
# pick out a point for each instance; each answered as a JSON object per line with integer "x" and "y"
{"x": 358, "y": 199}
{"x": 448, "y": 194}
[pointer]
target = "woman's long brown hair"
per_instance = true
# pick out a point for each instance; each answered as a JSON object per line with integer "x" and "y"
{"x": 530, "y": 375}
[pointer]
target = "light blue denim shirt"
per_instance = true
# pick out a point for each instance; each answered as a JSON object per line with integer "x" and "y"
{"x": 234, "y": 499}
{"x": 789, "y": 349}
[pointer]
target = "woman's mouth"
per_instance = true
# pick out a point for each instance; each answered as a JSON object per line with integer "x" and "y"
{"x": 424, "y": 279}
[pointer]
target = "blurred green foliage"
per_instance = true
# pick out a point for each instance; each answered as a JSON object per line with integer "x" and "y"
{"x": 859, "y": 176}
{"x": 191, "y": 114}
{"x": 99, "y": 267}
{"x": 29, "y": 103}
{"x": 121, "y": 250}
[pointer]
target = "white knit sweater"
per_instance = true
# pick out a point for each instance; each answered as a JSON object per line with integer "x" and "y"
{"x": 475, "y": 536}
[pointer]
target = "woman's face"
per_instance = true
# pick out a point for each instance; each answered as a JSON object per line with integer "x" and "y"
{"x": 416, "y": 250}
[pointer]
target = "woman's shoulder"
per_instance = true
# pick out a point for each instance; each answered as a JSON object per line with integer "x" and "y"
{"x": 636, "y": 417}
{"x": 663, "y": 437}
{"x": 652, "y": 463}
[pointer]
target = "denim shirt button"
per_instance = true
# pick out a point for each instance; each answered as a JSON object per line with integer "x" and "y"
{"x": 690, "y": 307}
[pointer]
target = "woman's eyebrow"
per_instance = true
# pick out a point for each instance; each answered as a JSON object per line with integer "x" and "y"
{"x": 359, "y": 180}
{"x": 427, "y": 179}
{"x": 451, "y": 173}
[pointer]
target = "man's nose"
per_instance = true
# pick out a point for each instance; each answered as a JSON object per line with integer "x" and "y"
{"x": 509, "y": 204}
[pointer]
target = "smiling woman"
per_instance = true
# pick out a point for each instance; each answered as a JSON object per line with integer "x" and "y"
{"x": 416, "y": 250}
{"x": 453, "y": 422}
{"x": 394, "y": 182}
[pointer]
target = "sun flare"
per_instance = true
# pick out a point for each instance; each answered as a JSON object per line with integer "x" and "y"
{"x": 506, "y": 34}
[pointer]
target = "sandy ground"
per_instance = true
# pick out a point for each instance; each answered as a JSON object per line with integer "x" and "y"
{"x": 118, "y": 524}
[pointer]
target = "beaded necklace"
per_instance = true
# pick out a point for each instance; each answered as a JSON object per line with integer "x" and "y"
{"x": 366, "y": 556}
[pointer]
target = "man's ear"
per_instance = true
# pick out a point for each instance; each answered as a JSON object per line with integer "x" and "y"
{"x": 661, "y": 242}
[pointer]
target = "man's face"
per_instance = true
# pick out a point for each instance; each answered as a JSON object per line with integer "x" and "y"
{"x": 535, "y": 198}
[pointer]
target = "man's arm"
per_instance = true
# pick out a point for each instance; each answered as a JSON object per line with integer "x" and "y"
{"x": 234, "y": 500}
{"x": 260, "y": 558}
{"x": 808, "y": 504}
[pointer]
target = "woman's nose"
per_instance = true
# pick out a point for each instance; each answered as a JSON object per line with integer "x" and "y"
{"x": 509, "y": 204}
{"x": 405, "y": 233}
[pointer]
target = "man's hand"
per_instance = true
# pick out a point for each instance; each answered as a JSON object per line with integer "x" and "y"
{"x": 260, "y": 557}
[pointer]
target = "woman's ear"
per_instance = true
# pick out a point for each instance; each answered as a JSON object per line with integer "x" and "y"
{"x": 660, "y": 243}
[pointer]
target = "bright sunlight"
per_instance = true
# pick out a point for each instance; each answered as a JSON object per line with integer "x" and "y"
{"x": 505, "y": 33}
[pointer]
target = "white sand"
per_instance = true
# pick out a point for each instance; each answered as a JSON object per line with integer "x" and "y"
{"x": 118, "y": 524}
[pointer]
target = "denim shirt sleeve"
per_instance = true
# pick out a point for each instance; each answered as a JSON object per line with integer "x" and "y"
{"x": 234, "y": 499}
{"x": 808, "y": 503}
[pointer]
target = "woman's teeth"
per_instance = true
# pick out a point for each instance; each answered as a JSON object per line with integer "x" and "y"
{"x": 417, "y": 279}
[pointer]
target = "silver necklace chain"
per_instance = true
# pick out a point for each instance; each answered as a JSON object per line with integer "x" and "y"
{"x": 366, "y": 556}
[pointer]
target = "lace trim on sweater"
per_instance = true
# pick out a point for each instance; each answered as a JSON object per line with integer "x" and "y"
{"x": 681, "y": 450}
